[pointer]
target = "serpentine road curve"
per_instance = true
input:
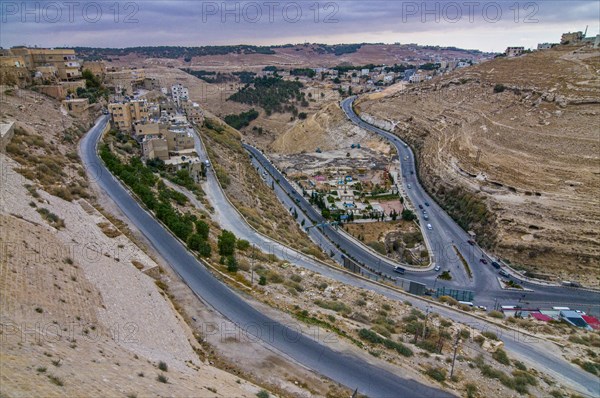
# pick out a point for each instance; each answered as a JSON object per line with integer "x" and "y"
{"x": 347, "y": 369}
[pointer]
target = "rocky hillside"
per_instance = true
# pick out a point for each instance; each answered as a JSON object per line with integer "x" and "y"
{"x": 327, "y": 129}
{"x": 511, "y": 148}
{"x": 82, "y": 312}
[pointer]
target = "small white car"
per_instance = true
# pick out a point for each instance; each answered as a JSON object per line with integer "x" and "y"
{"x": 437, "y": 268}
{"x": 429, "y": 227}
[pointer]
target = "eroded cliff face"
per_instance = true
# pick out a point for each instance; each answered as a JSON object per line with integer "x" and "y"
{"x": 511, "y": 148}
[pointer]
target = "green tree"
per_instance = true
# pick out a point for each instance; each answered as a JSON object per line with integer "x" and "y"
{"x": 232, "y": 265}
{"x": 408, "y": 215}
{"x": 226, "y": 243}
{"x": 204, "y": 249}
{"x": 194, "y": 242}
{"x": 202, "y": 229}
{"x": 242, "y": 244}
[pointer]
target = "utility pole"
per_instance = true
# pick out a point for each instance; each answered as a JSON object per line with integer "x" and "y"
{"x": 252, "y": 267}
{"x": 454, "y": 355}
{"x": 425, "y": 324}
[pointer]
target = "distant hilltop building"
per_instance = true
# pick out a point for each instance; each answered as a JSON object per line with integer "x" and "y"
{"x": 571, "y": 38}
{"x": 514, "y": 51}
{"x": 545, "y": 46}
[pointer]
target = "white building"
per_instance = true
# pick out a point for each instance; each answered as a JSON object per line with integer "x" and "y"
{"x": 416, "y": 78}
{"x": 179, "y": 93}
{"x": 364, "y": 72}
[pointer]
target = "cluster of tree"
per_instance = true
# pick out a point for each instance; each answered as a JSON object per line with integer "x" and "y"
{"x": 227, "y": 243}
{"x": 204, "y": 75}
{"x": 470, "y": 212}
{"x": 198, "y": 241}
{"x": 241, "y": 120}
{"x": 338, "y": 49}
{"x": 270, "y": 93}
{"x": 94, "y": 90}
{"x": 408, "y": 215}
{"x": 173, "y": 52}
{"x": 183, "y": 178}
{"x": 346, "y": 68}
{"x": 245, "y": 76}
{"x": 317, "y": 199}
{"x": 141, "y": 180}
{"x": 397, "y": 68}
{"x": 430, "y": 66}
{"x": 303, "y": 72}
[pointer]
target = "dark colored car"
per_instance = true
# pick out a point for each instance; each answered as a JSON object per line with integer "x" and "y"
{"x": 471, "y": 242}
{"x": 426, "y": 203}
{"x": 504, "y": 273}
{"x": 420, "y": 206}
{"x": 483, "y": 260}
{"x": 495, "y": 265}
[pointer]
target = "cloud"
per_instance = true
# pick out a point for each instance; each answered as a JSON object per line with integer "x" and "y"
{"x": 486, "y": 25}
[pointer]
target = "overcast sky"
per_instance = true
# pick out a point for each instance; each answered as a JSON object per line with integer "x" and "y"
{"x": 483, "y": 25}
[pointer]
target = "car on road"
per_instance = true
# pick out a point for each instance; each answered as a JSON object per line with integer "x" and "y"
{"x": 482, "y": 307}
{"x": 399, "y": 270}
{"x": 429, "y": 227}
{"x": 483, "y": 260}
{"x": 427, "y": 204}
{"x": 409, "y": 186}
{"x": 495, "y": 265}
{"x": 424, "y": 212}
{"x": 437, "y": 268}
{"x": 425, "y": 217}
{"x": 420, "y": 206}
{"x": 471, "y": 242}
{"x": 504, "y": 273}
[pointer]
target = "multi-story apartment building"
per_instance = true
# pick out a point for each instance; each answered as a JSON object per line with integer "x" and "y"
{"x": 179, "y": 93}
{"x": 193, "y": 112}
{"x": 155, "y": 148}
{"x": 125, "y": 114}
{"x": 125, "y": 80}
{"x": 64, "y": 59}
{"x": 180, "y": 139}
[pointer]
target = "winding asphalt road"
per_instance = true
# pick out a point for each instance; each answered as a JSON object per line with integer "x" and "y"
{"x": 532, "y": 351}
{"x": 447, "y": 233}
{"x": 346, "y": 369}
{"x": 443, "y": 237}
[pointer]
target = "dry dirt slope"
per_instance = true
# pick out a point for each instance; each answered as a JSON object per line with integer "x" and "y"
{"x": 77, "y": 312}
{"x": 72, "y": 288}
{"x": 327, "y": 129}
{"x": 530, "y": 152}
